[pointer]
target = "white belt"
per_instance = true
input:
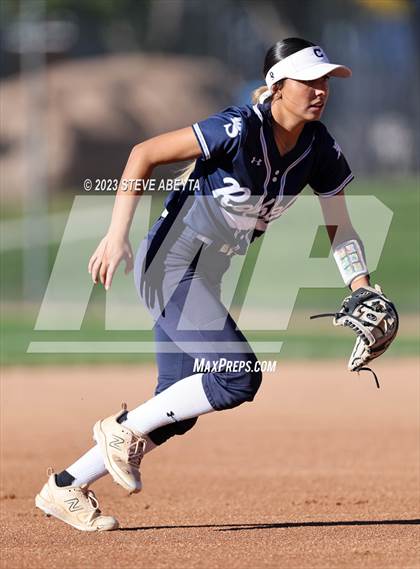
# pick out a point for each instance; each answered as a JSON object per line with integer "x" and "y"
{"x": 225, "y": 248}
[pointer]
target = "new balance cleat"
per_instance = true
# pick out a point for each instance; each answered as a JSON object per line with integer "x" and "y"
{"x": 122, "y": 450}
{"x": 74, "y": 505}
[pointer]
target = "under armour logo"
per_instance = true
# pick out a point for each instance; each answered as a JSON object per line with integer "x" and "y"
{"x": 256, "y": 161}
{"x": 171, "y": 415}
{"x": 116, "y": 442}
{"x": 318, "y": 52}
{"x": 271, "y": 74}
{"x": 73, "y": 505}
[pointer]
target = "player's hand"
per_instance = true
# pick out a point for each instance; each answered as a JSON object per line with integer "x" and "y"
{"x": 106, "y": 258}
{"x": 373, "y": 318}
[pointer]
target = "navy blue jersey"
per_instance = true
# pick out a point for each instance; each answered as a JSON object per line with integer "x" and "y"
{"x": 244, "y": 183}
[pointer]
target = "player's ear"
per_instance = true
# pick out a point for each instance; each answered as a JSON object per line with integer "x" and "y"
{"x": 277, "y": 90}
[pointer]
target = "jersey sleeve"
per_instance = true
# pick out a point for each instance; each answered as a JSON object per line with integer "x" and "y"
{"x": 220, "y": 135}
{"x": 331, "y": 173}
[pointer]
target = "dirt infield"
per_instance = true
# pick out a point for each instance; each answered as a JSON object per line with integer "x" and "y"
{"x": 321, "y": 471}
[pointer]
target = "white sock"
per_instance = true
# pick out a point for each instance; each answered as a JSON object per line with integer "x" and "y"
{"x": 183, "y": 400}
{"x": 90, "y": 467}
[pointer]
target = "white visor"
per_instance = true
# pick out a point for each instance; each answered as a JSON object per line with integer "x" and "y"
{"x": 305, "y": 65}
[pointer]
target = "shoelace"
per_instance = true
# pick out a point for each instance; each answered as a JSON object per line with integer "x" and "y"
{"x": 92, "y": 499}
{"x": 375, "y": 377}
{"x": 358, "y": 332}
{"x": 136, "y": 451}
{"x": 93, "y": 502}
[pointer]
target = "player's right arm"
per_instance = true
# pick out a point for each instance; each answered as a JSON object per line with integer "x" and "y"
{"x": 174, "y": 146}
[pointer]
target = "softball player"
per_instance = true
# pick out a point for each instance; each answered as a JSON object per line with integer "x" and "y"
{"x": 250, "y": 164}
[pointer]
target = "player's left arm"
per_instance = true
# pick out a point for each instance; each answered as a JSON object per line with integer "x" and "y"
{"x": 367, "y": 311}
{"x": 341, "y": 232}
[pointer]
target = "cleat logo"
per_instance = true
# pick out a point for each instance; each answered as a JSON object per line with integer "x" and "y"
{"x": 116, "y": 442}
{"x": 73, "y": 505}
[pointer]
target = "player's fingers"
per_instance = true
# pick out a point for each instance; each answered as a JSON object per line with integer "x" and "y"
{"x": 95, "y": 269}
{"x": 97, "y": 254}
{"x": 128, "y": 265}
{"x": 102, "y": 272}
{"x": 109, "y": 275}
{"x": 91, "y": 261}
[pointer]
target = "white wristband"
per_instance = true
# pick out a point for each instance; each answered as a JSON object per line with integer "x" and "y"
{"x": 350, "y": 260}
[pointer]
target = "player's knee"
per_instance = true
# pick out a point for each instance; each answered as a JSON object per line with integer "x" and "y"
{"x": 226, "y": 390}
{"x": 244, "y": 388}
{"x": 253, "y": 383}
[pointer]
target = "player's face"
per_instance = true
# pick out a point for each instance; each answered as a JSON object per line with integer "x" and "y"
{"x": 305, "y": 99}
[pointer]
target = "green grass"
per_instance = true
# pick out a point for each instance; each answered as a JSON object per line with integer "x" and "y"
{"x": 398, "y": 272}
{"x": 320, "y": 341}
